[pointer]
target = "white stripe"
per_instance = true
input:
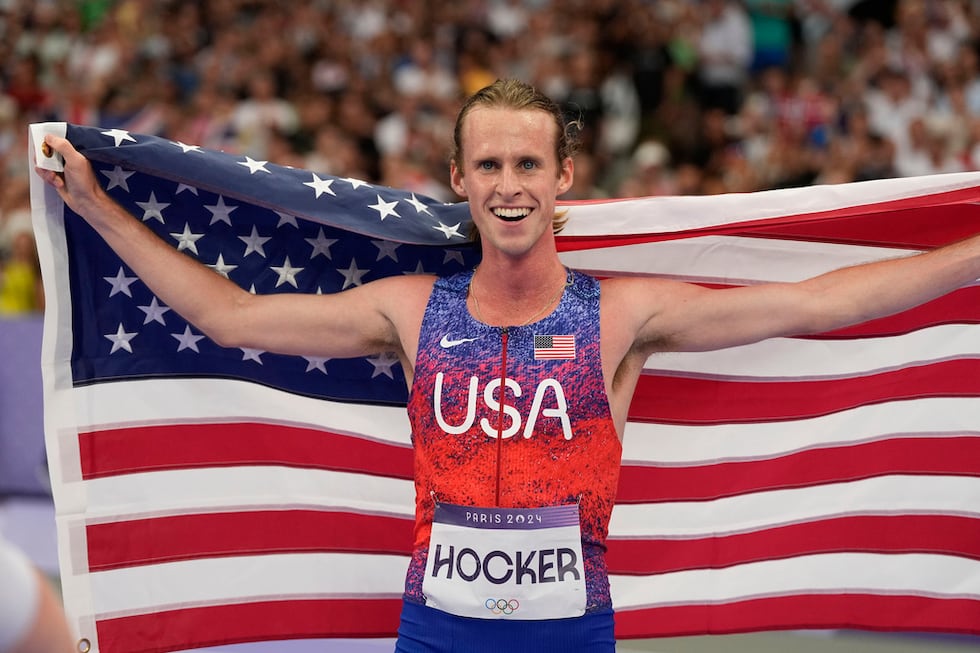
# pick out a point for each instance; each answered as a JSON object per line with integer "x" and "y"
{"x": 213, "y": 581}
{"x": 671, "y": 444}
{"x": 245, "y": 487}
{"x": 803, "y": 359}
{"x": 906, "y": 574}
{"x": 726, "y": 259}
{"x": 668, "y": 214}
{"x": 125, "y": 403}
{"x": 889, "y": 495}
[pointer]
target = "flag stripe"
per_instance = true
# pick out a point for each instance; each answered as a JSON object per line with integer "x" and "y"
{"x": 676, "y": 444}
{"x": 920, "y": 574}
{"x": 184, "y": 537}
{"x": 175, "y": 630}
{"x": 908, "y": 455}
{"x": 941, "y": 534}
{"x": 243, "y": 487}
{"x": 671, "y": 398}
{"x": 182, "y": 446}
{"x": 885, "y": 495}
{"x": 840, "y": 610}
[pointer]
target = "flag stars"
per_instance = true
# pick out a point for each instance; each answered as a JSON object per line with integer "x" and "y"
{"x": 187, "y": 340}
{"x": 321, "y": 186}
{"x": 254, "y": 166}
{"x": 287, "y": 274}
{"x": 453, "y": 255}
{"x": 384, "y": 208}
{"x": 286, "y": 218}
{"x": 249, "y": 354}
{"x": 386, "y": 248}
{"x": 186, "y": 239}
{"x": 321, "y": 245}
{"x": 449, "y": 231}
{"x": 315, "y": 363}
{"x": 117, "y": 177}
{"x": 352, "y": 275}
{"x": 120, "y": 283}
{"x": 186, "y": 148}
{"x": 419, "y": 205}
{"x": 220, "y": 212}
{"x": 382, "y": 364}
{"x": 152, "y": 209}
{"x": 119, "y": 135}
{"x": 254, "y": 243}
{"x": 120, "y": 340}
{"x": 154, "y": 312}
{"x": 356, "y": 183}
{"x": 221, "y": 267}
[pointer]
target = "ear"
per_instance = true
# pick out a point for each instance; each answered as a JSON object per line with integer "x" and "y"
{"x": 456, "y": 179}
{"x": 566, "y": 176}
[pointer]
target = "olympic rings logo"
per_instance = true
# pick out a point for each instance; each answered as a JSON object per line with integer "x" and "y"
{"x": 502, "y": 606}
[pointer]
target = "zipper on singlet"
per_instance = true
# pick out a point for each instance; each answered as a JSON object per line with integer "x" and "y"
{"x": 504, "y": 331}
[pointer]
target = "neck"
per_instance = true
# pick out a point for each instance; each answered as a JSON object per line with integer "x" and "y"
{"x": 516, "y": 295}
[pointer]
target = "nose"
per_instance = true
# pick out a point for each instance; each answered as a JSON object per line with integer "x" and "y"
{"x": 508, "y": 183}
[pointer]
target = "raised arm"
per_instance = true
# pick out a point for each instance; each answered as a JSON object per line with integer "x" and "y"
{"x": 364, "y": 320}
{"x": 684, "y": 317}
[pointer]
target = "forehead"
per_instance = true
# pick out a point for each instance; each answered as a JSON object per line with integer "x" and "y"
{"x": 489, "y": 129}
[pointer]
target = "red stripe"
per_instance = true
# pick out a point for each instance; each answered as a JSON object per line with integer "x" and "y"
{"x": 849, "y": 462}
{"x": 944, "y": 534}
{"x": 866, "y": 611}
{"x": 679, "y": 400}
{"x": 175, "y": 630}
{"x": 185, "y": 537}
{"x": 936, "y": 219}
{"x": 923, "y": 227}
{"x": 180, "y": 446}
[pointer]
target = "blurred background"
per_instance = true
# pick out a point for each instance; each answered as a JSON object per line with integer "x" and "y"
{"x": 675, "y": 97}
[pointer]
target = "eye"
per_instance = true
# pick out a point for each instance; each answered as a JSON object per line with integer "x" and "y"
{"x": 486, "y": 165}
{"x": 528, "y": 164}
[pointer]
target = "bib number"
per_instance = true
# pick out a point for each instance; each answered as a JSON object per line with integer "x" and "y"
{"x": 506, "y": 563}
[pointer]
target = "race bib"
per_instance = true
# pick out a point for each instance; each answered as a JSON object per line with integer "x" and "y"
{"x": 506, "y": 563}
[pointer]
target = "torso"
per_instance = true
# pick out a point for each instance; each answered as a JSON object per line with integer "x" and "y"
{"x": 560, "y": 442}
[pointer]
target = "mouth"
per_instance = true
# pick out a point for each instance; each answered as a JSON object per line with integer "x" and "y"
{"x": 511, "y": 214}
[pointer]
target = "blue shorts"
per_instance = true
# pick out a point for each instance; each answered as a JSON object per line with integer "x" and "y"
{"x": 427, "y": 630}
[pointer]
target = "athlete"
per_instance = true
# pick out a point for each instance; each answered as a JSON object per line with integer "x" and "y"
{"x": 520, "y": 372}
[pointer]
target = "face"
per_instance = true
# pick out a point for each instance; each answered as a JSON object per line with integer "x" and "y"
{"x": 509, "y": 174}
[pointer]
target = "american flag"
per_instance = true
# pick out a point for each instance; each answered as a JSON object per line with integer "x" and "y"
{"x": 554, "y": 347}
{"x": 207, "y": 495}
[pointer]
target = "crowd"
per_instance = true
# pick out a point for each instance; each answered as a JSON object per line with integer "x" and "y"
{"x": 674, "y": 96}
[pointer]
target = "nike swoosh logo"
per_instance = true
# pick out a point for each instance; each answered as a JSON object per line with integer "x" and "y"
{"x": 447, "y": 343}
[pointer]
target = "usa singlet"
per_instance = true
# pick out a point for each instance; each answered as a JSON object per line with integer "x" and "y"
{"x": 516, "y": 468}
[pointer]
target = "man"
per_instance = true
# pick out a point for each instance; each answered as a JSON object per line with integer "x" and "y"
{"x": 517, "y": 407}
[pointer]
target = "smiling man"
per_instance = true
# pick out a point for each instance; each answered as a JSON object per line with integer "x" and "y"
{"x": 520, "y": 372}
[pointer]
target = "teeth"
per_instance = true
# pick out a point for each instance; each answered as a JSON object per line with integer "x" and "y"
{"x": 511, "y": 213}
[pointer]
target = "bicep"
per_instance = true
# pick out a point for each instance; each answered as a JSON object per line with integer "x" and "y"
{"x": 356, "y": 322}
{"x": 687, "y": 317}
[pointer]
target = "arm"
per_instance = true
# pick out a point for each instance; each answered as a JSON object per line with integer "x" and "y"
{"x": 683, "y": 317}
{"x": 360, "y": 321}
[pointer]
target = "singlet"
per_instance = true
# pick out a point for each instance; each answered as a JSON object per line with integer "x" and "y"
{"x": 559, "y": 442}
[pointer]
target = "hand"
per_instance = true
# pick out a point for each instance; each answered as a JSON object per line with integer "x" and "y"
{"x": 77, "y": 185}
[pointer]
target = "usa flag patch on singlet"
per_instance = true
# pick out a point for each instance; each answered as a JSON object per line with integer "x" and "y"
{"x": 554, "y": 347}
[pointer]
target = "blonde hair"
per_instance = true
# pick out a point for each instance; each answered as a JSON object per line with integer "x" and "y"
{"x": 515, "y": 94}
